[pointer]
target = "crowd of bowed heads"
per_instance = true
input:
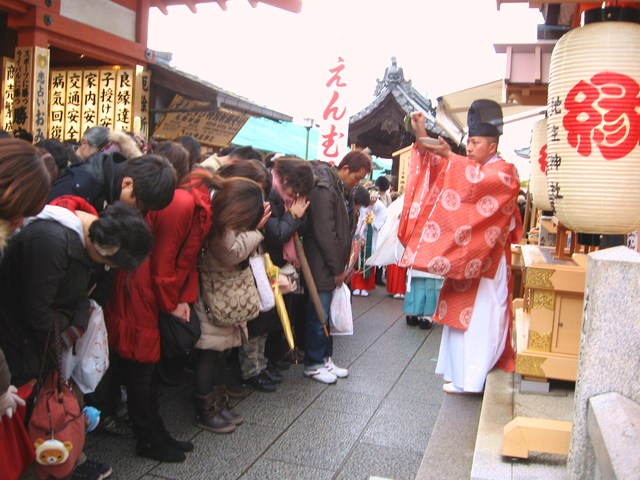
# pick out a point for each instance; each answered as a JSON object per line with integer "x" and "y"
{"x": 148, "y": 232}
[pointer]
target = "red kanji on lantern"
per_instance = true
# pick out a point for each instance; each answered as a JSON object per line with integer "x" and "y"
{"x": 615, "y": 131}
{"x": 542, "y": 159}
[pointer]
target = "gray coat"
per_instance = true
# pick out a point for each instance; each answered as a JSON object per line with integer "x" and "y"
{"x": 327, "y": 238}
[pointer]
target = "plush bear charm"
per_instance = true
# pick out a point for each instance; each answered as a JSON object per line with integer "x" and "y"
{"x": 52, "y": 452}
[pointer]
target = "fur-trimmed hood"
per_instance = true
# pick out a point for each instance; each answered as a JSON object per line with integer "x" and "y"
{"x": 120, "y": 142}
{"x": 5, "y": 231}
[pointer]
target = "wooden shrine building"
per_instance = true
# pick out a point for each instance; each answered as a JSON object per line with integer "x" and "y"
{"x": 380, "y": 125}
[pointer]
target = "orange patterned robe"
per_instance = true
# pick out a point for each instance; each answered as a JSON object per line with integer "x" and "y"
{"x": 457, "y": 222}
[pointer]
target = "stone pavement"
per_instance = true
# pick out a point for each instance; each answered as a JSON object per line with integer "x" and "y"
{"x": 376, "y": 423}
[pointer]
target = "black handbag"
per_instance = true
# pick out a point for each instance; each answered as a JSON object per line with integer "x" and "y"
{"x": 177, "y": 338}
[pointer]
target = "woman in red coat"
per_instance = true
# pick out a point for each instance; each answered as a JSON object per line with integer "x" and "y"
{"x": 166, "y": 282}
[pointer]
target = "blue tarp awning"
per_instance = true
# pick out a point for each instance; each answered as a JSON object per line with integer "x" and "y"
{"x": 289, "y": 138}
{"x": 281, "y": 137}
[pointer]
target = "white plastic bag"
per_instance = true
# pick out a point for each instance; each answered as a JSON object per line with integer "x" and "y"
{"x": 340, "y": 314}
{"x": 266, "y": 298}
{"x": 90, "y": 360}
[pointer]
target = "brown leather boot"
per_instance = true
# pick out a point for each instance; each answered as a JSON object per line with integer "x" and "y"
{"x": 207, "y": 416}
{"x": 221, "y": 402}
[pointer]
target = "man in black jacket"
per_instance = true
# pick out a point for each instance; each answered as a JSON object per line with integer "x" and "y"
{"x": 147, "y": 182}
{"x": 327, "y": 245}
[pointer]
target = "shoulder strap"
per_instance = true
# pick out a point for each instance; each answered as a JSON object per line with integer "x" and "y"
{"x": 52, "y": 352}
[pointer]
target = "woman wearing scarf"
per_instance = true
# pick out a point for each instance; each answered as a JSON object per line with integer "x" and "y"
{"x": 292, "y": 180}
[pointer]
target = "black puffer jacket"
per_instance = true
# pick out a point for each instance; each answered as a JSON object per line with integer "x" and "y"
{"x": 44, "y": 275}
{"x": 97, "y": 180}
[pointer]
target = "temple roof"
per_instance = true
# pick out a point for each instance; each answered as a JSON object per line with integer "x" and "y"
{"x": 380, "y": 125}
{"x": 196, "y": 88}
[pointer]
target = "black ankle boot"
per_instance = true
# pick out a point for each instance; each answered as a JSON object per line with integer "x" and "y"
{"x": 182, "y": 445}
{"x": 272, "y": 375}
{"x": 424, "y": 323}
{"x": 160, "y": 451}
{"x": 412, "y": 320}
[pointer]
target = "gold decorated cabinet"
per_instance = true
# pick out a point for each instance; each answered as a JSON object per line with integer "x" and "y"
{"x": 547, "y": 327}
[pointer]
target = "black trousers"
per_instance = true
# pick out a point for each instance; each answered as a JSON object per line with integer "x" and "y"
{"x": 141, "y": 382}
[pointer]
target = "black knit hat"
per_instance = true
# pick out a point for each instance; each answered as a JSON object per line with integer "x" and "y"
{"x": 484, "y": 119}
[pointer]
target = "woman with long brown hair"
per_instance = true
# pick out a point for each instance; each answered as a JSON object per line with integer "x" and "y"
{"x": 177, "y": 155}
{"x": 24, "y": 184}
{"x": 24, "y": 187}
{"x": 238, "y": 211}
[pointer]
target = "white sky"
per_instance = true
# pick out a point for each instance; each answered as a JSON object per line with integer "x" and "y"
{"x": 280, "y": 59}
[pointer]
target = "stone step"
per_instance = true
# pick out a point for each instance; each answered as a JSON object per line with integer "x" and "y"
{"x": 497, "y": 411}
{"x": 502, "y": 401}
{"x": 449, "y": 453}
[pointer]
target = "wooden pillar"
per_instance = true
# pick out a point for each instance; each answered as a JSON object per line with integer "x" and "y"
{"x": 142, "y": 21}
{"x": 31, "y": 91}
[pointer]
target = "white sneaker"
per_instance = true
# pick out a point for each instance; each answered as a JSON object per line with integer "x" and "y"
{"x": 334, "y": 369}
{"x": 364, "y": 293}
{"x": 396, "y": 295}
{"x": 321, "y": 375}
{"x": 356, "y": 292}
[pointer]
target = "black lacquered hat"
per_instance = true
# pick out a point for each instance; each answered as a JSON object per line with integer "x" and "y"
{"x": 484, "y": 119}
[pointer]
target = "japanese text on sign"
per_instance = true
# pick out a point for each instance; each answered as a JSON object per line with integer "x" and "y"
{"x": 40, "y": 91}
{"x": 22, "y": 88}
{"x": 141, "y": 103}
{"x": 8, "y": 79}
{"x": 335, "y": 125}
{"x": 208, "y": 127}
{"x": 81, "y": 99}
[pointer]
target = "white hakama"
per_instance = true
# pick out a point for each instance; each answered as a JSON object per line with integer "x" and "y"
{"x": 466, "y": 357}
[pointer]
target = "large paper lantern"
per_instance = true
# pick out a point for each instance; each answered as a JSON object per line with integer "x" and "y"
{"x": 593, "y": 116}
{"x": 538, "y": 159}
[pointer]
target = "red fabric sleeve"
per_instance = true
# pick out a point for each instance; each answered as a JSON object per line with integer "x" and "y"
{"x": 171, "y": 229}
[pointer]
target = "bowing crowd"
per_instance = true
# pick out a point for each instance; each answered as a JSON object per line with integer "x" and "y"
{"x": 221, "y": 265}
{"x": 176, "y": 253}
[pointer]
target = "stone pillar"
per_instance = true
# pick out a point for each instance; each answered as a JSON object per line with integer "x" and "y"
{"x": 609, "y": 346}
